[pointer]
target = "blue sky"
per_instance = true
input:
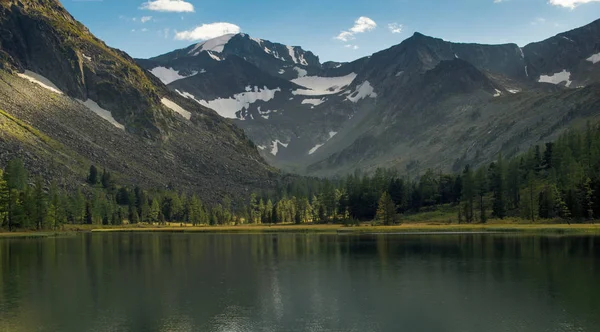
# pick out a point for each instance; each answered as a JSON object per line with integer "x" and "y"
{"x": 147, "y": 28}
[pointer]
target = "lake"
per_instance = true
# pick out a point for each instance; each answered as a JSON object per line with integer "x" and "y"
{"x": 300, "y": 282}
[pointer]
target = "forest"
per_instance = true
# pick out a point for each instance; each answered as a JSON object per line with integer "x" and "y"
{"x": 557, "y": 181}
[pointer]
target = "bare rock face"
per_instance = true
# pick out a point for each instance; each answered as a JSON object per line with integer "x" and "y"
{"x": 167, "y": 140}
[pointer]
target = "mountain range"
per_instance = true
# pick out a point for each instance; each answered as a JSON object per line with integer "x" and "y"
{"x": 425, "y": 103}
{"x": 218, "y": 117}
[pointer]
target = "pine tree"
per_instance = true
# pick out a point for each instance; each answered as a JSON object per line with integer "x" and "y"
{"x": 88, "y": 216}
{"x": 481, "y": 186}
{"x": 16, "y": 175}
{"x": 560, "y": 206}
{"x": 498, "y": 183}
{"x": 386, "y": 210}
{"x": 93, "y": 175}
{"x": 39, "y": 198}
{"x": 588, "y": 198}
{"x": 133, "y": 215}
{"x": 468, "y": 193}
{"x": 154, "y": 211}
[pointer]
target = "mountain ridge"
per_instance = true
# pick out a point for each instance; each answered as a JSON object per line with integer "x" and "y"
{"x": 346, "y": 104}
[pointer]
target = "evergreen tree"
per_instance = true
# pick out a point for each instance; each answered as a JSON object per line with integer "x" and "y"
{"x": 93, "y": 175}
{"x": 15, "y": 175}
{"x": 88, "y": 217}
{"x": 481, "y": 188}
{"x": 386, "y": 210}
{"x": 154, "y": 211}
{"x": 39, "y": 198}
{"x": 468, "y": 194}
{"x": 498, "y": 184}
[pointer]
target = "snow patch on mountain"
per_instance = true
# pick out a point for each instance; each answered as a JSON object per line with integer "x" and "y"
{"x": 275, "y": 146}
{"x": 292, "y": 52}
{"x": 105, "y": 114}
{"x": 228, "y": 107}
{"x": 302, "y": 60}
{"x": 594, "y": 58}
{"x": 498, "y": 93}
{"x": 215, "y": 45}
{"x": 315, "y": 148}
{"x": 563, "y": 76}
{"x": 301, "y": 72}
{"x": 176, "y": 108}
{"x": 168, "y": 75}
{"x": 40, "y": 80}
{"x": 214, "y": 56}
{"x": 318, "y": 86}
{"x": 318, "y": 146}
{"x": 281, "y": 71}
{"x": 314, "y": 102}
{"x": 362, "y": 91}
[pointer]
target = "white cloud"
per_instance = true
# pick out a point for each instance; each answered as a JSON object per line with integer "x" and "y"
{"x": 178, "y": 6}
{"x": 144, "y": 30}
{"x": 345, "y": 36}
{"x": 208, "y": 31}
{"x": 354, "y": 47}
{"x": 395, "y": 27}
{"x": 362, "y": 24}
{"x": 570, "y": 3}
{"x": 145, "y": 19}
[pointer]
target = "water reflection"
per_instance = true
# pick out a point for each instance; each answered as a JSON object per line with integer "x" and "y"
{"x": 295, "y": 282}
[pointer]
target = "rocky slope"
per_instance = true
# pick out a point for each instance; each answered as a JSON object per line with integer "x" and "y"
{"x": 68, "y": 100}
{"x": 423, "y": 103}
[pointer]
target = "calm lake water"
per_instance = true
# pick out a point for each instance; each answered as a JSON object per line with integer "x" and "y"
{"x": 295, "y": 282}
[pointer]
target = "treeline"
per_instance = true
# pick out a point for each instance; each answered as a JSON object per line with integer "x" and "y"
{"x": 557, "y": 180}
{"x": 32, "y": 204}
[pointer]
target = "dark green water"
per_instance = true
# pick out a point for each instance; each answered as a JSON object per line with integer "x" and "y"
{"x": 288, "y": 282}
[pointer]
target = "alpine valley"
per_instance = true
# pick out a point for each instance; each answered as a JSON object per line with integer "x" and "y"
{"x": 425, "y": 103}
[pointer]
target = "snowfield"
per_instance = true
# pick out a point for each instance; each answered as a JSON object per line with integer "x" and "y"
{"x": 275, "y": 147}
{"x": 318, "y": 86}
{"x": 215, "y": 45}
{"x": 176, "y": 108}
{"x": 362, "y": 91}
{"x": 106, "y": 115}
{"x": 315, "y": 148}
{"x": 168, "y": 75}
{"x": 594, "y": 58}
{"x": 563, "y": 76}
{"x": 314, "y": 102}
{"x": 228, "y": 107}
{"x": 41, "y": 81}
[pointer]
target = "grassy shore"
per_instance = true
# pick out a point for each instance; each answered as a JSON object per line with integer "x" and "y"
{"x": 414, "y": 227}
{"x": 366, "y": 228}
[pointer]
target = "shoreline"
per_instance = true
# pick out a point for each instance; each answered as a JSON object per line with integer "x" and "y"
{"x": 412, "y": 228}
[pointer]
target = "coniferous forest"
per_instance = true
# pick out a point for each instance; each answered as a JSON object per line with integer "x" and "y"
{"x": 557, "y": 181}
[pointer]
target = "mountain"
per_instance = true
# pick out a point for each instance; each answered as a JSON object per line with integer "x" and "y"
{"x": 425, "y": 103}
{"x": 67, "y": 100}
